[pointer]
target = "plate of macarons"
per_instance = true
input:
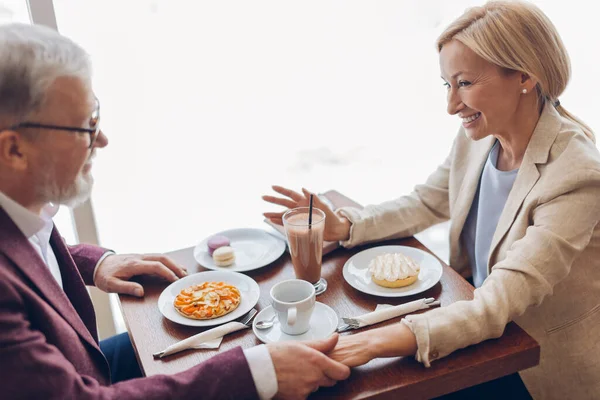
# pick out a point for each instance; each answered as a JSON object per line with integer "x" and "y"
{"x": 239, "y": 250}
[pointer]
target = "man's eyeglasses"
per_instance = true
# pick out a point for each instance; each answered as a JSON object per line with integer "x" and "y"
{"x": 93, "y": 130}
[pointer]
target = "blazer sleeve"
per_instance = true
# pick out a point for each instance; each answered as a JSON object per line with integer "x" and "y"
{"x": 427, "y": 205}
{"x": 562, "y": 225}
{"x": 86, "y": 257}
{"x": 31, "y": 368}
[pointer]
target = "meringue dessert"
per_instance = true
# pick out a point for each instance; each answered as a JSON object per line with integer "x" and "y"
{"x": 394, "y": 270}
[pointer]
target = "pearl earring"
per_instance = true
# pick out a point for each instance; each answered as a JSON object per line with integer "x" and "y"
{"x": 524, "y": 91}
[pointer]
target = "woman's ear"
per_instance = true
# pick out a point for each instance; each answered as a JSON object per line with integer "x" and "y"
{"x": 528, "y": 83}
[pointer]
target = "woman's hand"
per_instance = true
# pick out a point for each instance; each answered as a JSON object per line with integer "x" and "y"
{"x": 353, "y": 350}
{"x": 389, "y": 341}
{"x": 336, "y": 227}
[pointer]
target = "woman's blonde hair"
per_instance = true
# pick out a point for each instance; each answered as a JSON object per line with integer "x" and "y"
{"x": 518, "y": 36}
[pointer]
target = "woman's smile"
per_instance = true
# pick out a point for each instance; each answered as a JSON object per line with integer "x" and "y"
{"x": 471, "y": 120}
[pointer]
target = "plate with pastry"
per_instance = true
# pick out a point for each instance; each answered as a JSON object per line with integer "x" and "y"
{"x": 208, "y": 298}
{"x": 392, "y": 271}
{"x": 239, "y": 250}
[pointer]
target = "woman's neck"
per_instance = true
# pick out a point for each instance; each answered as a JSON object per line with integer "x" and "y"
{"x": 515, "y": 138}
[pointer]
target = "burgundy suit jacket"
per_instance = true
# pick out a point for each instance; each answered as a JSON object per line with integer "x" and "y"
{"x": 48, "y": 339}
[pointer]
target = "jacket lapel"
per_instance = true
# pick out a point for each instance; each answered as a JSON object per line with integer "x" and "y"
{"x": 16, "y": 247}
{"x": 537, "y": 152}
{"x": 467, "y": 190}
{"x": 73, "y": 284}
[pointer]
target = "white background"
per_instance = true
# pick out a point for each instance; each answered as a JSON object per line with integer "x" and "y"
{"x": 206, "y": 104}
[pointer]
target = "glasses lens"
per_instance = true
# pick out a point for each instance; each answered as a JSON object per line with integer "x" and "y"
{"x": 95, "y": 123}
{"x": 95, "y": 118}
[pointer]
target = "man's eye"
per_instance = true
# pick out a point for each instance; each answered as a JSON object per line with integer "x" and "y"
{"x": 93, "y": 121}
{"x": 447, "y": 85}
{"x": 463, "y": 83}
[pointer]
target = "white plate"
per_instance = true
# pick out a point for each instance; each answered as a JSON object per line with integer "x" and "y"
{"x": 356, "y": 271}
{"x": 254, "y": 248}
{"x": 323, "y": 323}
{"x": 247, "y": 286}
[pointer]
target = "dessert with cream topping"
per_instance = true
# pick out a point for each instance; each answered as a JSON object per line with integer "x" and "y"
{"x": 394, "y": 270}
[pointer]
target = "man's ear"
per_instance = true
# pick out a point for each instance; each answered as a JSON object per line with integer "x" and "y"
{"x": 13, "y": 150}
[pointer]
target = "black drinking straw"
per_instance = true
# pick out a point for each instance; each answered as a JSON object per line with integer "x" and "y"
{"x": 310, "y": 203}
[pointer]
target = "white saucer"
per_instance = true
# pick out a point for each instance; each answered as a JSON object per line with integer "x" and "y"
{"x": 323, "y": 323}
{"x": 249, "y": 291}
{"x": 254, "y": 248}
{"x": 356, "y": 271}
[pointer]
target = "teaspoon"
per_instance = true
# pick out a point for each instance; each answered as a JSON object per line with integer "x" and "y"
{"x": 266, "y": 323}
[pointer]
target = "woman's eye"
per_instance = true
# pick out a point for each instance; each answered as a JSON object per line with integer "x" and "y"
{"x": 463, "y": 83}
{"x": 447, "y": 85}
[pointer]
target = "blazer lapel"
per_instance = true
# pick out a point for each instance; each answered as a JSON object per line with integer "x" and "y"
{"x": 73, "y": 284}
{"x": 17, "y": 248}
{"x": 537, "y": 152}
{"x": 467, "y": 190}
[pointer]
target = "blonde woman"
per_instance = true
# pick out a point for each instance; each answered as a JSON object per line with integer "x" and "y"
{"x": 522, "y": 188}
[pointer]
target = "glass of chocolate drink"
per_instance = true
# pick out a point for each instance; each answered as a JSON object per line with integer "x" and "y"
{"x": 305, "y": 240}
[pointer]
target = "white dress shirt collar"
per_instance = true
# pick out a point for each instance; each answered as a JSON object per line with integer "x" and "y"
{"x": 28, "y": 222}
{"x": 37, "y": 229}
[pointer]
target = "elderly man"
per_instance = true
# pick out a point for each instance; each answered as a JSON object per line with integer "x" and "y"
{"x": 49, "y": 134}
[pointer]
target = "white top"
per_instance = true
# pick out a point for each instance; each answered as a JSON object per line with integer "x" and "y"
{"x": 38, "y": 228}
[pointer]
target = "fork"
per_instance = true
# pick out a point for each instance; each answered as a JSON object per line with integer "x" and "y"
{"x": 247, "y": 319}
{"x": 352, "y": 323}
{"x": 344, "y": 327}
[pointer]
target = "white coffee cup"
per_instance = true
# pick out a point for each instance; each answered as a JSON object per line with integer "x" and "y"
{"x": 293, "y": 301}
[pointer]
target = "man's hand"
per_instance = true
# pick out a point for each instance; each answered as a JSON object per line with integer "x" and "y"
{"x": 302, "y": 368}
{"x": 114, "y": 271}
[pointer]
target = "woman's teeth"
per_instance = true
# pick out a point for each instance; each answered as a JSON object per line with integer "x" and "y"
{"x": 471, "y": 118}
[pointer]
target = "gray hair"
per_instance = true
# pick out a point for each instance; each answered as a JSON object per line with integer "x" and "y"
{"x": 32, "y": 57}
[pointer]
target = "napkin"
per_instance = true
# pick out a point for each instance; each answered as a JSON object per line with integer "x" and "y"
{"x": 384, "y": 312}
{"x": 210, "y": 339}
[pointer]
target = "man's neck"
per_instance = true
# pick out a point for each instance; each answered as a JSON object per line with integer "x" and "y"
{"x": 23, "y": 198}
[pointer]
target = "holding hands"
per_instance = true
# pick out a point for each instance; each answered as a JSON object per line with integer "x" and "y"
{"x": 336, "y": 227}
{"x": 354, "y": 350}
{"x": 297, "y": 380}
{"x": 389, "y": 341}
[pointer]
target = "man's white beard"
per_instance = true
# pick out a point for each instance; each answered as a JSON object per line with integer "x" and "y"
{"x": 78, "y": 193}
{"x": 70, "y": 196}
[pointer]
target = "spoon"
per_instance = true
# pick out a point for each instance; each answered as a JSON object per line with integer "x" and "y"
{"x": 266, "y": 323}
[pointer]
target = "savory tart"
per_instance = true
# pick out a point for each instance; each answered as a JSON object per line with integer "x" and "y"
{"x": 207, "y": 300}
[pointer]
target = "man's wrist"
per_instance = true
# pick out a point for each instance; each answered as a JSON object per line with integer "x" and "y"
{"x": 108, "y": 253}
{"x": 262, "y": 371}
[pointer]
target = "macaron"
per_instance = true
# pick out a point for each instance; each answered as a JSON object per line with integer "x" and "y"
{"x": 215, "y": 242}
{"x": 224, "y": 256}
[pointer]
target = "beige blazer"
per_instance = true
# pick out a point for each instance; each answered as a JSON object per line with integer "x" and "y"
{"x": 544, "y": 257}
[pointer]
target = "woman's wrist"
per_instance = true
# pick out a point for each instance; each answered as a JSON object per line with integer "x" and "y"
{"x": 392, "y": 341}
{"x": 343, "y": 230}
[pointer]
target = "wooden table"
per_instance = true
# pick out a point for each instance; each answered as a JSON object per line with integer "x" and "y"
{"x": 382, "y": 378}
